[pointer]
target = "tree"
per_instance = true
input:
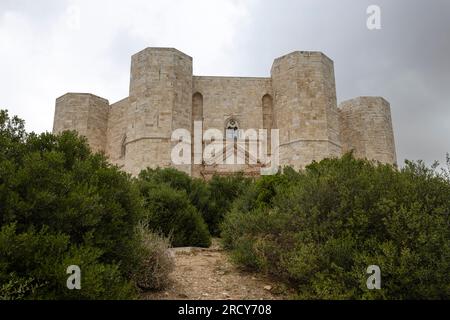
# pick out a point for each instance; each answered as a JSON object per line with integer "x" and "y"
{"x": 320, "y": 229}
{"x": 62, "y": 205}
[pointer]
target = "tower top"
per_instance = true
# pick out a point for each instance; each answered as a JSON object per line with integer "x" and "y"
{"x": 162, "y": 49}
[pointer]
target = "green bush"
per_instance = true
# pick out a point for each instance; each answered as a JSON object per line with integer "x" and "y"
{"x": 212, "y": 199}
{"x": 174, "y": 178}
{"x": 170, "y": 212}
{"x": 35, "y": 263}
{"x": 318, "y": 230}
{"x": 223, "y": 191}
{"x": 17, "y": 288}
{"x": 62, "y": 205}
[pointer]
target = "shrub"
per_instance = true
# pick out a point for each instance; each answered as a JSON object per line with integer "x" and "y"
{"x": 170, "y": 212}
{"x": 153, "y": 273}
{"x": 223, "y": 191}
{"x": 212, "y": 199}
{"x": 35, "y": 263}
{"x": 321, "y": 228}
{"x": 261, "y": 192}
{"x": 62, "y": 205}
{"x": 17, "y": 288}
{"x": 172, "y": 177}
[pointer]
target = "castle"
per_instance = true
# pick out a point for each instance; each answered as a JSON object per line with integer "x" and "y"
{"x": 299, "y": 99}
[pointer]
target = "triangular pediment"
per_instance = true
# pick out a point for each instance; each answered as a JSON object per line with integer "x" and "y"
{"x": 234, "y": 154}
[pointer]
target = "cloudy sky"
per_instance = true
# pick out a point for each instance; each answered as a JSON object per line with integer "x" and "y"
{"x": 50, "y": 47}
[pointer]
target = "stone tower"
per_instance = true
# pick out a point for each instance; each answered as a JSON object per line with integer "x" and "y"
{"x": 85, "y": 113}
{"x": 160, "y": 102}
{"x": 305, "y": 108}
{"x": 299, "y": 99}
{"x": 366, "y": 128}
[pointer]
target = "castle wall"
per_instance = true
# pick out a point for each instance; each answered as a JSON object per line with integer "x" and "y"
{"x": 366, "y": 128}
{"x": 160, "y": 102}
{"x": 116, "y": 133}
{"x": 299, "y": 99}
{"x": 232, "y": 97}
{"x": 305, "y": 108}
{"x": 224, "y": 98}
{"x": 85, "y": 113}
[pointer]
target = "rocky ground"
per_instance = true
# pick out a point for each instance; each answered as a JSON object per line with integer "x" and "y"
{"x": 208, "y": 274}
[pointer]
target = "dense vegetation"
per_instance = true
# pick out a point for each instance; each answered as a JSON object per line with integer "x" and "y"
{"x": 61, "y": 205}
{"x": 169, "y": 211}
{"x": 318, "y": 230}
{"x": 211, "y": 199}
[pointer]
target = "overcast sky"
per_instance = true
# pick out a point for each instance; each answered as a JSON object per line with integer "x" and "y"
{"x": 50, "y": 47}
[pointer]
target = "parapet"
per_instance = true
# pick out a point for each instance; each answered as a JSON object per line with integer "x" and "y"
{"x": 297, "y": 57}
{"x": 161, "y": 50}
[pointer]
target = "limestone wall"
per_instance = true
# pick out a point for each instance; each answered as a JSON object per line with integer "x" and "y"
{"x": 299, "y": 99}
{"x": 305, "y": 108}
{"x": 232, "y": 97}
{"x": 160, "y": 102}
{"x": 366, "y": 128}
{"x": 116, "y": 133}
{"x": 225, "y": 98}
{"x": 85, "y": 113}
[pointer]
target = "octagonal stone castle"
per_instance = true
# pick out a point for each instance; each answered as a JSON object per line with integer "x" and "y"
{"x": 299, "y": 99}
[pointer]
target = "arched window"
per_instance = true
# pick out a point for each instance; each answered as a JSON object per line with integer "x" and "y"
{"x": 267, "y": 107}
{"x": 197, "y": 115}
{"x": 197, "y": 107}
{"x": 232, "y": 129}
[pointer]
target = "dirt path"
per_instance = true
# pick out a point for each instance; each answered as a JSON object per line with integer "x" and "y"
{"x": 208, "y": 274}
